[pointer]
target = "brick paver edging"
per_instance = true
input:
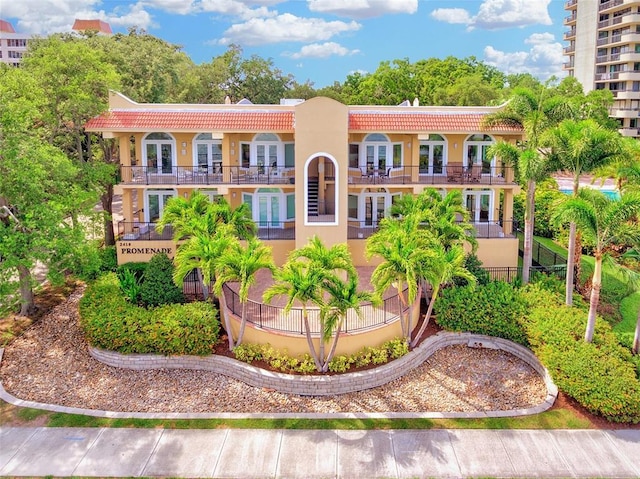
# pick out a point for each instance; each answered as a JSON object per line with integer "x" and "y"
{"x": 318, "y": 385}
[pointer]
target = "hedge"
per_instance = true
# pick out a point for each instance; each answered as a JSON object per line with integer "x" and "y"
{"x": 600, "y": 375}
{"x": 110, "y": 322}
{"x": 494, "y": 309}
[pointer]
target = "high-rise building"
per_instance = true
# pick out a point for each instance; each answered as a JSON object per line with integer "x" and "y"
{"x": 12, "y": 44}
{"x": 604, "y": 53}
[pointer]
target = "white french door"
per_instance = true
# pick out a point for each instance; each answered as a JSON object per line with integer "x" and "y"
{"x": 269, "y": 210}
{"x": 480, "y": 206}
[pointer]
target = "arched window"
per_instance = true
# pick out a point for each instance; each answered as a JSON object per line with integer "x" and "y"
{"x": 433, "y": 155}
{"x": 379, "y": 154}
{"x": 476, "y": 147}
{"x": 207, "y": 153}
{"x": 267, "y": 152}
{"x": 158, "y": 153}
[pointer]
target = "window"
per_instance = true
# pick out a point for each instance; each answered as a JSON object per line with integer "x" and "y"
{"x": 379, "y": 153}
{"x": 354, "y": 155}
{"x": 155, "y": 201}
{"x": 432, "y": 155}
{"x": 476, "y": 147}
{"x": 13, "y": 54}
{"x": 158, "y": 153}
{"x": 17, "y": 42}
{"x": 270, "y": 207}
{"x": 267, "y": 151}
{"x": 289, "y": 155}
{"x": 208, "y": 153}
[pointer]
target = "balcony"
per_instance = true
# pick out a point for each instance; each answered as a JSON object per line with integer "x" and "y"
{"x": 145, "y": 231}
{"x": 624, "y": 38}
{"x": 631, "y": 132}
{"x": 260, "y": 176}
{"x": 568, "y": 20}
{"x": 609, "y": 4}
{"x": 569, "y": 4}
{"x": 569, "y": 49}
{"x": 570, "y": 34}
{"x": 626, "y": 19}
{"x": 486, "y": 230}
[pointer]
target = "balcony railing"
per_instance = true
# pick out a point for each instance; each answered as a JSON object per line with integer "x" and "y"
{"x": 610, "y": 4}
{"x": 483, "y": 230}
{"x": 234, "y": 175}
{"x": 274, "y": 318}
{"x": 144, "y": 231}
{"x": 190, "y": 175}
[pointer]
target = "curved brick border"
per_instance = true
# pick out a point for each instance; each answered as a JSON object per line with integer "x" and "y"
{"x": 311, "y": 385}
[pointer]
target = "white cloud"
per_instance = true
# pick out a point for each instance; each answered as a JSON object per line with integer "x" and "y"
{"x": 452, "y": 15}
{"x": 284, "y": 28}
{"x": 323, "y": 50}
{"x": 543, "y": 60}
{"x": 363, "y": 8}
{"x": 497, "y": 14}
{"x": 60, "y": 15}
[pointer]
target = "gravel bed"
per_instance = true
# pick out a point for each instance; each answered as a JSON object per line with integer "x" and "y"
{"x": 50, "y": 364}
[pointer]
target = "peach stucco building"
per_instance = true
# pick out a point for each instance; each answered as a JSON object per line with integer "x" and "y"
{"x": 305, "y": 168}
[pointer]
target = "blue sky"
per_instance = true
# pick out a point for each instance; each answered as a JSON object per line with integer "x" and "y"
{"x": 325, "y": 40}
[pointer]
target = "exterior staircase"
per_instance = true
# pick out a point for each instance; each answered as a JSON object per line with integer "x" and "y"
{"x": 312, "y": 197}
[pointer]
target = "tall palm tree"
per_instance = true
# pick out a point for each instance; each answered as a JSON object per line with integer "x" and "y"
{"x": 446, "y": 217}
{"x": 300, "y": 282}
{"x": 603, "y": 221}
{"x": 240, "y": 264}
{"x": 534, "y": 112}
{"x": 531, "y": 167}
{"x": 580, "y": 147}
{"x": 403, "y": 247}
{"x": 240, "y": 218}
{"x": 201, "y": 252}
{"x": 443, "y": 266}
{"x": 343, "y": 297}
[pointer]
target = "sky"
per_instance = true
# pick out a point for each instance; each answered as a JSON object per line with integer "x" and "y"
{"x": 323, "y": 41}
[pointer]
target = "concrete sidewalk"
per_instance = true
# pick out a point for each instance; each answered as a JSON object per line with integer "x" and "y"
{"x": 251, "y": 453}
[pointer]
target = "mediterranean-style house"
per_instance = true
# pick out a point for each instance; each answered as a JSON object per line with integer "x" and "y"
{"x": 307, "y": 168}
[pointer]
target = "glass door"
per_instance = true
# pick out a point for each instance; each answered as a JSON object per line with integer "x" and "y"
{"x": 375, "y": 206}
{"x": 269, "y": 211}
{"x": 479, "y": 206}
{"x": 156, "y": 201}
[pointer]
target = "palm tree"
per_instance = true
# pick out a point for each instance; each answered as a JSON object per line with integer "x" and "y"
{"x": 603, "y": 221}
{"x": 240, "y": 263}
{"x": 445, "y": 217}
{"x": 534, "y": 112}
{"x": 300, "y": 281}
{"x": 404, "y": 247}
{"x": 201, "y": 252}
{"x": 580, "y": 147}
{"x": 443, "y": 266}
{"x": 531, "y": 167}
{"x": 343, "y": 297}
{"x": 240, "y": 218}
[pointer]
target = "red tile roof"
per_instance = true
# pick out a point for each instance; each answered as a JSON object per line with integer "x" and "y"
{"x": 97, "y": 25}
{"x": 6, "y": 27}
{"x": 422, "y": 121}
{"x": 128, "y": 120}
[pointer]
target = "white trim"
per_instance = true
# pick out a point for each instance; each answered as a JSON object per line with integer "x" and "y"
{"x": 305, "y": 192}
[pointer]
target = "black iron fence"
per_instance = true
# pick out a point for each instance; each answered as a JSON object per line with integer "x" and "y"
{"x": 274, "y": 318}
{"x": 145, "y": 231}
{"x": 514, "y": 273}
{"x": 485, "y": 230}
{"x": 277, "y": 175}
{"x": 540, "y": 254}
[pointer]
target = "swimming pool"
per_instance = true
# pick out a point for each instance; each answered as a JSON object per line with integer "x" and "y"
{"x": 613, "y": 194}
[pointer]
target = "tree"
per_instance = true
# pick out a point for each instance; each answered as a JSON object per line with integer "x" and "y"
{"x": 534, "y": 112}
{"x": 300, "y": 282}
{"x": 344, "y": 297}
{"x": 580, "y": 147}
{"x": 443, "y": 266}
{"x": 603, "y": 221}
{"x": 241, "y": 264}
{"x": 38, "y": 194}
{"x": 403, "y": 247}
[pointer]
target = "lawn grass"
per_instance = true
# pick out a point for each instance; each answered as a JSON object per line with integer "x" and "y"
{"x": 558, "y": 418}
{"x": 625, "y": 329}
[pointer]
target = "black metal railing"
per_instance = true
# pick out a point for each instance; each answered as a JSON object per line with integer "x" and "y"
{"x": 540, "y": 254}
{"x": 513, "y": 273}
{"x": 266, "y": 175}
{"x": 484, "y": 230}
{"x": 145, "y": 231}
{"x": 274, "y": 318}
{"x": 195, "y": 175}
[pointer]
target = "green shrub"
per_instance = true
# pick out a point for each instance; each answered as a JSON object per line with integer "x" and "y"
{"x": 279, "y": 360}
{"x": 110, "y": 322}
{"x": 494, "y": 309}
{"x": 136, "y": 268}
{"x": 158, "y": 287}
{"x": 547, "y": 195}
{"x": 130, "y": 285}
{"x": 474, "y": 266}
{"x": 108, "y": 259}
{"x": 600, "y": 375}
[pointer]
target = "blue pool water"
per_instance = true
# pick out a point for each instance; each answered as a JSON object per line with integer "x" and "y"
{"x": 613, "y": 194}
